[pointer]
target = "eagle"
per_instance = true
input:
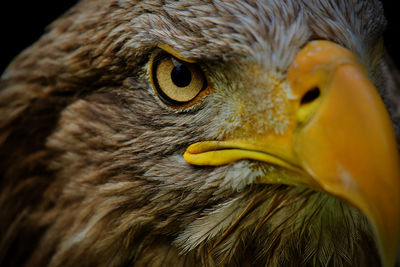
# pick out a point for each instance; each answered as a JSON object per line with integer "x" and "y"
{"x": 202, "y": 133}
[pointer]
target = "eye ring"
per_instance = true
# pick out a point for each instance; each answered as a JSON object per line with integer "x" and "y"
{"x": 176, "y": 82}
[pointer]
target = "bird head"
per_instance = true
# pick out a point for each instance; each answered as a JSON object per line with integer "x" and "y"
{"x": 219, "y": 132}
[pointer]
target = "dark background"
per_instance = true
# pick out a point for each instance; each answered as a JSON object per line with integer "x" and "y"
{"x": 23, "y": 22}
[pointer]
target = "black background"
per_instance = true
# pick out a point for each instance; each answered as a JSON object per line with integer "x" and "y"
{"x": 23, "y": 22}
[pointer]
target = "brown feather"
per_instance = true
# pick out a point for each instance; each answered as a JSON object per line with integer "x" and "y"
{"x": 91, "y": 162}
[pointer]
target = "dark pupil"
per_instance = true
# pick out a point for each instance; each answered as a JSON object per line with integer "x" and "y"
{"x": 181, "y": 76}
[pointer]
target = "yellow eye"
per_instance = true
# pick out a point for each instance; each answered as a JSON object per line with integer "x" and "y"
{"x": 176, "y": 82}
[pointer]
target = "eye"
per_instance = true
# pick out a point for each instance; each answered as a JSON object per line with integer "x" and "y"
{"x": 176, "y": 82}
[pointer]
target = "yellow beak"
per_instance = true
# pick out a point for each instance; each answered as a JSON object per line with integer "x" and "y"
{"x": 342, "y": 141}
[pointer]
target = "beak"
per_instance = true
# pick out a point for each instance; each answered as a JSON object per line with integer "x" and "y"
{"x": 341, "y": 142}
{"x": 348, "y": 145}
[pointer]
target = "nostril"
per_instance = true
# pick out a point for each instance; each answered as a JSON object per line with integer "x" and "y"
{"x": 310, "y": 96}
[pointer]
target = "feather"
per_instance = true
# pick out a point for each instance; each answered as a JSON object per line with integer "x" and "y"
{"x": 91, "y": 164}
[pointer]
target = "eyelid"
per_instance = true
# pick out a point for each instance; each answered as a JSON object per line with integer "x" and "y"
{"x": 173, "y": 52}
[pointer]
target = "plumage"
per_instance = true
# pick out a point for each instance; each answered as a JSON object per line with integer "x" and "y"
{"x": 91, "y": 160}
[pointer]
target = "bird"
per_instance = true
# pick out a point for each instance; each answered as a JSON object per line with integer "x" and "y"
{"x": 202, "y": 133}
